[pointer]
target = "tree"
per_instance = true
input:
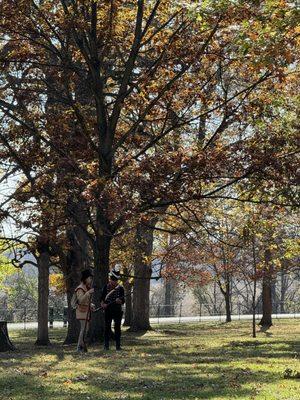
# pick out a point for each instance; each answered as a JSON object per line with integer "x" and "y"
{"x": 97, "y": 153}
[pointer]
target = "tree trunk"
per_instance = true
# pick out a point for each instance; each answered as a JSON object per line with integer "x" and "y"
{"x": 266, "y": 320}
{"x": 76, "y": 261}
{"x": 169, "y": 289}
{"x": 72, "y": 281}
{"x": 101, "y": 263}
{"x": 128, "y": 304}
{"x": 142, "y": 274}
{"x": 43, "y": 263}
{"x": 169, "y": 297}
{"x": 283, "y": 290}
{"x": 5, "y": 343}
{"x": 254, "y": 309}
{"x": 226, "y": 292}
{"x": 254, "y": 289}
{"x": 228, "y": 306}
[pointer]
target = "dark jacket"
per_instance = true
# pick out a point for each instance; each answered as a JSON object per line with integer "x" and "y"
{"x": 109, "y": 296}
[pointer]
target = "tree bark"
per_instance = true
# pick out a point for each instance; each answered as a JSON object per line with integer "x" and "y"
{"x": 227, "y": 304}
{"x": 43, "y": 263}
{"x": 254, "y": 289}
{"x": 266, "y": 320}
{"x": 142, "y": 273}
{"x": 101, "y": 270}
{"x": 76, "y": 261}
{"x": 72, "y": 280}
{"x": 283, "y": 290}
{"x": 169, "y": 297}
{"x": 128, "y": 303}
{"x": 5, "y": 342}
{"x": 226, "y": 292}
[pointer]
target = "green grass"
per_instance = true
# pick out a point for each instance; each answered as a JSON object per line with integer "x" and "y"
{"x": 201, "y": 361}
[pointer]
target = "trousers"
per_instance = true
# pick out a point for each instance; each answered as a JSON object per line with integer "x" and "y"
{"x": 81, "y": 338}
{"x": 113, "y": 314}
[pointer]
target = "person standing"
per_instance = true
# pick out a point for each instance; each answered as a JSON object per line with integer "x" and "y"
{"x": 112, "y": 299}
{"x": 84, "y": 306}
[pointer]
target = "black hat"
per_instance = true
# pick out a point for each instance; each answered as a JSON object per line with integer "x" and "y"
{"x": 86, "y": 274}
{"x": 115, "y": 273}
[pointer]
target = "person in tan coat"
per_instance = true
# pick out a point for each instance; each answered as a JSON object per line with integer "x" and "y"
{"x": 84, "y": 306}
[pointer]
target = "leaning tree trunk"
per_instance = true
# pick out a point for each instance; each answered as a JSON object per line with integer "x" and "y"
{"x": 142, "y": 275}
{"x": 266, "y": 320}
{"x": 43, "y": 263}
{"x": 5, "y": 342}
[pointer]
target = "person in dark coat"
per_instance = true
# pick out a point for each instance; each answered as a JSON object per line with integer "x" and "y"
{"x": 112, "y": 299}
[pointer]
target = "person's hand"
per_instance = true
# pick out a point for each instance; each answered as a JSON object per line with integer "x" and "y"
{"x": 103, "y": 305}
{"x": 118, "y": 301}
{"x": 93, "y": 307}
{"x": 91, "y": 291}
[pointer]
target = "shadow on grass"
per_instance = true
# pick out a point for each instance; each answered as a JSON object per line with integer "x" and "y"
{"x": 153, "y": 368}
{"x": 158, "y": 384}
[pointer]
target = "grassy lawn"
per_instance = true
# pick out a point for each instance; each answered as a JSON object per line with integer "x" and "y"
{"x": 201, "y": 361}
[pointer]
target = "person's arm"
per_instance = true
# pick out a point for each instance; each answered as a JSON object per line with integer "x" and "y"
{"x": 83, "y": 297}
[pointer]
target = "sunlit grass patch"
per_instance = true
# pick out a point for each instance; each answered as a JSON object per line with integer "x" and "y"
{"x": 199, "y": 361}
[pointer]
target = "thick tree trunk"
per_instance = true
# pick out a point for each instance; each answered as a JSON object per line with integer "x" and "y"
{"x": 142, "y": 273}
{"x": 128, "y": 304}
{"x": 266, "y": 320}
{"x": 72, "y": 281}
{"x": 76, "y": 261}
{"x": 43, "y": 263}
{"x": 101, "y": 262}
{"x": 5, "y": 343}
